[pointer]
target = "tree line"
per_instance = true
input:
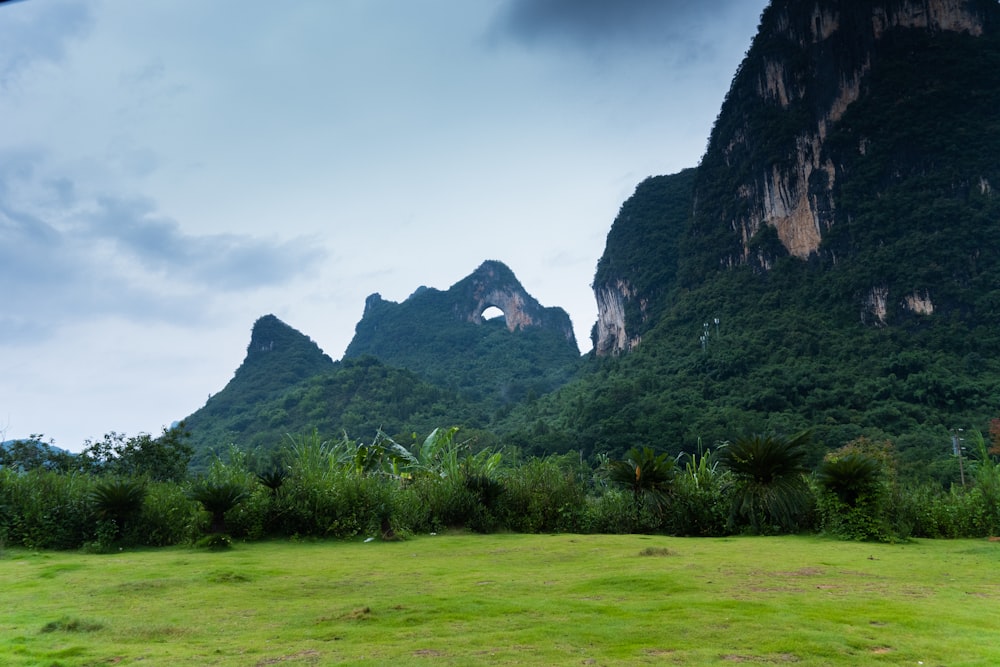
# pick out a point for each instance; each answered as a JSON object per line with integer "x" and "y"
{"x": 126, "y": 492}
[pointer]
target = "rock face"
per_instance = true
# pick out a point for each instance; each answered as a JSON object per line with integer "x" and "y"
{"x": 796, "y": 169}
{"x": 493, "y": 284}
{"x": 816, "y": 58}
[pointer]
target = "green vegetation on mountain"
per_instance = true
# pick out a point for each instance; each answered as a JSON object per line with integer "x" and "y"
{"x": 797, "y": 345}
{"x": 882, "y": 325}
{"x": 356, "y": 396}
{"x": 432, "y": 334}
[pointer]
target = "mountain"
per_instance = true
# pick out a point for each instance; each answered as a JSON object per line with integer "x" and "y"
{"x": 830, "y": 264}
{"x": 442, "y": 336}
{"x": 432, "y": 360}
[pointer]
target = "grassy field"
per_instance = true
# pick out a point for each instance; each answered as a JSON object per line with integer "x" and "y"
{"x": 506, "y": 600}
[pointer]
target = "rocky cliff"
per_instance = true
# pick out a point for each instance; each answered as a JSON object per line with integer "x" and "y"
{"x": 797, "y": 162}
{"x": 810, "y": 63}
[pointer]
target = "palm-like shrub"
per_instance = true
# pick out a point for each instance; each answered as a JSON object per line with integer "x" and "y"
{"x": 217, "y": 498}
{"x": 857, "y": 494}
{"x": 766, "y": 482}
{"x": 646, "y": 475}
{"x": 272, "y": 478}
{"x": 850, "y": 477}
{"x": 119, "y": 499}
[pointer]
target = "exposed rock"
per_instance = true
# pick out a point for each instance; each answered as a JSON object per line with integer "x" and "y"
{"x": 875, "y": 310}
{"x": 795, "y": 196}
{"x": 612, "y": 337}
{"x": 919, "y": 303}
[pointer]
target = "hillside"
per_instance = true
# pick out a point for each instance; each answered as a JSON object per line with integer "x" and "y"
{"x": 432, "y": 360}
{"x": 844, "y": 229}
{"x": 831, "y": 264}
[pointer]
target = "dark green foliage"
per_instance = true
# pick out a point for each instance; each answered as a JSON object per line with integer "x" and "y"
{"x": 486, "y": 365}
{"x": 217, "y": 498}
{"x": 767, "y": 482}
{"x": 168, "y": 516}
{"x": 273, "y": 478}
{"x": 698, "y": 505}
{"x": 34, "y": 454}
{"x": 647, "y": 476}
{"x": 850, "y": 477}
{"x": 642, "y": 246}
{"x": 42, "y": 509}
{"x": 119, "y": 501}
{"x": 356, "y": 395}
{"x": 915, "y": 211}
{"x": 546, "y": 495}
{"x": 163, "y": 459}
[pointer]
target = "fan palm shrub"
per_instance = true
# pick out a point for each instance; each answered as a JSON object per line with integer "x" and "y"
{"x": 852, "y": 496}
{"x": 766, "y": 482}
{"x": 859, "y": 497}
{"x": 217, "y": 498}
{"x": 646, "y": 476}
{"x": 118, "y": 501}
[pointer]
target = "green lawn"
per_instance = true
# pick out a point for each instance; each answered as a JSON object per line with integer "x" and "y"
{"x": 508, "y": 599}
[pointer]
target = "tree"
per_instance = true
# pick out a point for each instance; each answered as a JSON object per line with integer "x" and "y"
{"x": 163, "y": 459}
{"x": 217, "y": 498}
{"x": 119, "y": 500}
{"x": 33, "y": 454}
{"x": 767, "y": 481}
{"x": 647, "y": 475}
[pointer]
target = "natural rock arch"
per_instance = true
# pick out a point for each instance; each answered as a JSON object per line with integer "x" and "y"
{"x": 492, "y": 312}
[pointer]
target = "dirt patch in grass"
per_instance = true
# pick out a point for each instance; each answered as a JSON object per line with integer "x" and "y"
{"x": 71, "y": 625}
{"x": 429, "y": 653}
{"x": 228, "y": 577}
{"x": 779, "y": 658}
{"x": 802, "y": 572}
{"x": 657, "y": 551}
{"x": 358, "y": 614}
{"x": 310, "y": 655}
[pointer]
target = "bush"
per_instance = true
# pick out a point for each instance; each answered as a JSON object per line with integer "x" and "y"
{"x": 168, "y": 516}
{"x": 46, "y": 509}
{"x": 543, "y": 495}
{"x": 614, "y": 513}
{"x": 766, "y": 483}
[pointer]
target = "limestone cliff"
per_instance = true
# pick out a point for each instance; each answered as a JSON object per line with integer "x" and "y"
{"x": 808, "y": 65}
{"x": 851, "y": 136}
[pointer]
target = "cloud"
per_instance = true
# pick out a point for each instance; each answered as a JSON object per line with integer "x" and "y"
{"x": 65, "y": 258}
{"x": 602, "y": 24}
{"x": 223, "y": 261}
{"x": 37, "y": 32}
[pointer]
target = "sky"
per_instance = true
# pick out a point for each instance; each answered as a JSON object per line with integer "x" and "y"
{"x": 172, "y": 170}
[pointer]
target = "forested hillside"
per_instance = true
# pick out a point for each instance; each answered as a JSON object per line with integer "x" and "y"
{"x": 831, "y": 265}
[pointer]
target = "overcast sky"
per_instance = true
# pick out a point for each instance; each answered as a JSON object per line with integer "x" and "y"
{"x": 171, "y": 170}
